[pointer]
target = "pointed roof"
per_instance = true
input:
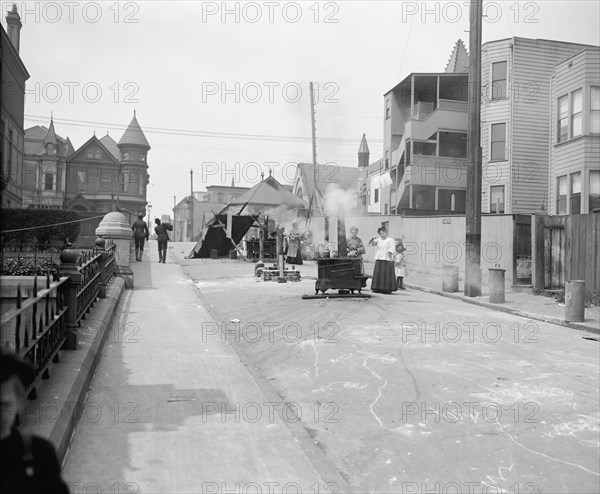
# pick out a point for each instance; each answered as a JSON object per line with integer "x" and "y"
{"x": 459, "y": 59}
{"x": 267, "y": 193}
{"x": 134, "y": 135}
{"x": 364, "y": 148}
{"x": 111, "y": 145}
{"x": 102, "y": 145}
{"x": 36, "y": 139}
{"x": 51, "y": 135}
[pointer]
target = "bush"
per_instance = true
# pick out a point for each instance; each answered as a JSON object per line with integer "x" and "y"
{"x": 19, "y": 219}
{"x": 29, "y": 267}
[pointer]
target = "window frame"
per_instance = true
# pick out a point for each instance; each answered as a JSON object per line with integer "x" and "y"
{"x": 594, "y": 111}
{"x": 388, "y": 108}
{"x": 48, "y": 175}
{"x": 492, "y": 142}
{"x": 502, "y": 204}
{"x": 573, "y": 115}
{"x": 495, "y": 81}
{"x": 574, "y": 197}
{"x": 559, "y": 197}
{"x": 560, "y": 117}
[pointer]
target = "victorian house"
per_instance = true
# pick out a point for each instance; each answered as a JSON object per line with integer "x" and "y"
{"x": 45, "y": 168}
{"x": 103, "y": 174}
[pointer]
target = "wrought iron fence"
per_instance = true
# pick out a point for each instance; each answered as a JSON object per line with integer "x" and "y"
{"x": 37, "y": 326}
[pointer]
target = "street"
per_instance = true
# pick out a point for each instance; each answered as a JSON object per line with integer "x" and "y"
{"x": 410, "y": 392}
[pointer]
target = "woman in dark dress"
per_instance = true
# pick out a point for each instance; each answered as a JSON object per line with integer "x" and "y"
{"x": 384, "y": 277}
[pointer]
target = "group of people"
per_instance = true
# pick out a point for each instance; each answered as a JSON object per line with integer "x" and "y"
{"x": 390, "y": 260}
{"x": 141, "y": 235}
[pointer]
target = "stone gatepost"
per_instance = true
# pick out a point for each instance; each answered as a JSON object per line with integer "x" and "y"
{"x": 114, "y": 226}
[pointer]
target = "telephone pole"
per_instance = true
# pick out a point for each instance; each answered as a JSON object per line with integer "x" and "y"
{"x": 191, "y": 205}
{"x": 473, "y": 206}
{"x": 314, "y": 144}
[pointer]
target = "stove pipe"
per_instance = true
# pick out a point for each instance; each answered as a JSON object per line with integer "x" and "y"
{"x": 341, "y": 234}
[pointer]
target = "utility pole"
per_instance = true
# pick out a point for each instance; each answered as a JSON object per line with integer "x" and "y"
{"x": 473, "y": 206}
{"x": 314, "y": 143}
{"x": 191, "y": 205}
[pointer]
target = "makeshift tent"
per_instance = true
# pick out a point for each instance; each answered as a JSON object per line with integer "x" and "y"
{"x": 215, "y": 235}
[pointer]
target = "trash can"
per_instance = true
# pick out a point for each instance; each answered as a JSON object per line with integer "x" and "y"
{"x": 450, "y": 278}
{"x": 497, "y": 285}
{"x": 214, "y": 254}
{"x": 575, "y": 301}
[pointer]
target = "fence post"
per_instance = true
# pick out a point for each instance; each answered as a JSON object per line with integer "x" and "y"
{"x": 101, "y": 244}
{"x": 68, "y": 259}
{"x": 114, "y": 226}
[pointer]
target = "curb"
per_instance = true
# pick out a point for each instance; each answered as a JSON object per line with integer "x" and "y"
{"x": 57, "y": 409}
{"x": 508, "y": 310}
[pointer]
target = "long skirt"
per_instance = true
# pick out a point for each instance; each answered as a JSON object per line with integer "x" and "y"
{"x": 384, "y": 278}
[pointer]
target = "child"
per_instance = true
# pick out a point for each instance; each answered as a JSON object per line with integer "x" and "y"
{"x": 400, "y": 264}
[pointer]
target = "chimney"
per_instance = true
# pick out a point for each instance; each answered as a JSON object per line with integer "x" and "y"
{"x": 13, "y": 25}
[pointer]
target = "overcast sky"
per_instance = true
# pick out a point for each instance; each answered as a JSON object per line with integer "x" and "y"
{"x": 192, "y": 70}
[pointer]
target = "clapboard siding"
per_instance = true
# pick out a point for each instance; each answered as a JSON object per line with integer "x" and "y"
{"x": 533, "y": 67}
{"x": 581, "y": 154}
{"x": 493, "y": 112}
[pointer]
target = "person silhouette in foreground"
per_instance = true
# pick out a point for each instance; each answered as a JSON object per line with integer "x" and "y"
{"x": 163, "y": 238}
{"x": 140, "y": 234}
{"x": 29, "y": 463}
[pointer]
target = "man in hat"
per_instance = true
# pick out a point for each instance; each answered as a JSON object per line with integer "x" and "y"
{"x": 29, "y": 463}
{"x": 140, "y": 234}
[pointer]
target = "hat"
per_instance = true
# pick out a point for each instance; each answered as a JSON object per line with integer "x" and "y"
{"x": 11, "y": 365}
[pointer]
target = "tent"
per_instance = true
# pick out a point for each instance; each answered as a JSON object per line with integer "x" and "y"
{"x": 220, "y": 236}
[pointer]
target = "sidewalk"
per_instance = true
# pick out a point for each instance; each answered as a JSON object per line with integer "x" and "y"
{"x": 171, "y": 410}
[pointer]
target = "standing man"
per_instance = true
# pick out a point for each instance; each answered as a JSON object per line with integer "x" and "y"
{"x": 163, "y": 238}
{"x": 140, "y": 234}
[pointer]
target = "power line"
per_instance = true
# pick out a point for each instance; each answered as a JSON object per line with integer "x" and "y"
{"x": 53, "y": 224}
{"x": 194, "y": 133}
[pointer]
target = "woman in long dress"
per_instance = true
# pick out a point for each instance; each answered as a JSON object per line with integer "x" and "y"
{"x": 384, "y": 277}
{"x": 294, "y": 249}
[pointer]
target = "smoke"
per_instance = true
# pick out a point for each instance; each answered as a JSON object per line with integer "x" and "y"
{"x": 279, "y": 214}
{"x": 339, "y": 201}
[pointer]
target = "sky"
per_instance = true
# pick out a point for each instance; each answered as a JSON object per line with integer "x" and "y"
{"x": 222, "y": 88}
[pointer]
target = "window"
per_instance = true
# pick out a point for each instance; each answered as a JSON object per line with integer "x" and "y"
{"x": 387, "y": 109}
{"x": 499, "y": 80}
{"x": 561, "y": 189}
{"x": 575, "y": 196}
{"x": 594, "y": 199}
{"x": 577, "y": 116}
{"x": 125, "y": 156}
{"x": 563, "y": 118}
{"x": 376, "y": 196}
{"x": 90, "y": 153}
{"x": 387, "y": 160}
{"x": 595, "y": 110}
{"x": 385, "y": 209}
{"x": 142, "y": 157}
{"x": 498, "y": 142}
{"x": 497, "y": 199}
{"x": 49, "y": 181}
{"x": 10, "y": 153}
{"x": 98, "y": 155}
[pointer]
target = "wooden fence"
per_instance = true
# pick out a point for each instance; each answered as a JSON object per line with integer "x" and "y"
{"x": 566, "y": 248}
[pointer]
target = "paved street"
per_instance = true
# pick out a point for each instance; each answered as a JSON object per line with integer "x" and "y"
{"x": 213, "y": 380}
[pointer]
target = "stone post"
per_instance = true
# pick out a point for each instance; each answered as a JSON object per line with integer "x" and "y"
{"x": 114, "y": 226}
{"x": 68, "y": 267}
{"x": 101, "y": 244}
